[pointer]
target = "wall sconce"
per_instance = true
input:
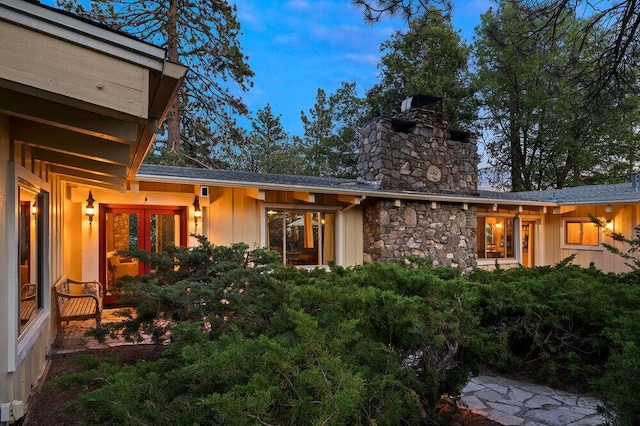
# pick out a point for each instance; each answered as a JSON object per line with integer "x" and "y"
{"x": 609, "y": 224}
{"x": 197, "y": 211}
{"x": 89, "y": 209}
{"x": 34, "y": 208}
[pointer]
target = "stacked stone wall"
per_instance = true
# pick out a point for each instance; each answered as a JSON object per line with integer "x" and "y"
{"x": 419, "y": 158}
{"x": 446, "y": 235}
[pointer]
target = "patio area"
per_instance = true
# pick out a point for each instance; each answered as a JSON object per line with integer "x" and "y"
{"x": 71, "y": 337}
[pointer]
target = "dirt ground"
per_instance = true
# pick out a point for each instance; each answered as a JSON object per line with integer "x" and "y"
{"x": 46, "y": 404}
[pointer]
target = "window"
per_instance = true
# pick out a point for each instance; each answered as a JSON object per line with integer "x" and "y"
{"x": 302, "y": 237}
{"x": 495, "y": 238}
{"x": 581, "y": 232}
{"x": 32, "y": 210}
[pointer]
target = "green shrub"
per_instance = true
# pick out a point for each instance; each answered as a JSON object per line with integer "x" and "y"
{"x": 271, "y": 344}
{"x": 553, "y": 318}
{"x": 619, "y": 387}
{"x": 259, "y": 342}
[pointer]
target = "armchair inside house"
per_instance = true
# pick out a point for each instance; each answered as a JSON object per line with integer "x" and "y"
{"x": 119, "y": 266}
{"x": 308, "y": 256}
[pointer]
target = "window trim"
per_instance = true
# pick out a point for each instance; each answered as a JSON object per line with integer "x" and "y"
{"x": 19, "y": 344}
{"x": 581, "y": 220}
{"x": 516, "y": 237}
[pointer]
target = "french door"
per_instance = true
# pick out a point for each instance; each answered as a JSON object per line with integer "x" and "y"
{"x": 134, "y": 227}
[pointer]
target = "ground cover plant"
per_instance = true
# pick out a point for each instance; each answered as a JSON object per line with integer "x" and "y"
{"x": 258, "y": 342}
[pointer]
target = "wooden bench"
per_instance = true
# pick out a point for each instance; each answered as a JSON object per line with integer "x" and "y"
{"x": 27, "y": 302}
{"x": 85, "y": 302}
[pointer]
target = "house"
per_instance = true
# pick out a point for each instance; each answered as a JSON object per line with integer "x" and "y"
{"x": 80, "y": 106}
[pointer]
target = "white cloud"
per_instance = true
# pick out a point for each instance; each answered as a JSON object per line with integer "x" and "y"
{"x": 367, "y": 59}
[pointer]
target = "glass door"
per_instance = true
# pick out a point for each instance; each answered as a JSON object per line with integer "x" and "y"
{"x": 150, "y": 228}
{"x": 528, "y": 244}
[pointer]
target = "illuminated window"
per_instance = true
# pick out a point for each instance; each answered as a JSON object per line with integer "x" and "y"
{"x": 581, "y": 233}
{"x": 302, "y": 237}
{"x": 32, "y": 210}
{"x": 495, "y": 238}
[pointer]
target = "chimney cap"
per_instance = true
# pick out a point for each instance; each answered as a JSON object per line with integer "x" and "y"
{"x": 419, "y": 101}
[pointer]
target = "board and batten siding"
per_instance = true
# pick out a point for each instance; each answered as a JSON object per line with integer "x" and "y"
{"x": 353, "y": 243}
{"x": 624, "y": 219}
{"x": 4, "y": 266}
{"x": 234, "y": 215}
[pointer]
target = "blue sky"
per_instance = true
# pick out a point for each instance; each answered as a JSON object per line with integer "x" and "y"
{"x": 298, "y": 46}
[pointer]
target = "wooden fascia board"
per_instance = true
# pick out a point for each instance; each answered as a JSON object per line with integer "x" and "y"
{"x": 88, "y": 176}
{"x": 373, "y": 194}
{"x": 84, "y": 33}
{"x": 166, "y": 90}
{"x": 162, "y": 95}
{"x": 67, "y": 117}
{"x": 140, "y": 152}
{"x": 73, "y": 70}
{"x": 79, "y": 163}
{"x": 65, "y": 141}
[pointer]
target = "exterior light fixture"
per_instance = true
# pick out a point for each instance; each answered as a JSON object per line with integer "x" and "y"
{"x": 197, "y": 211}
{"x": 89, "y": 209}
{"x": 34, "y": 208}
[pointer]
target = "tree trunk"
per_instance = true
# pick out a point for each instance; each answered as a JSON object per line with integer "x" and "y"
{"x": 515, "y": 148}
{"x": 173, "y": 137}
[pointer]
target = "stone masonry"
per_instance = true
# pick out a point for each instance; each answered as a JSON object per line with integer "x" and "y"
{"x": 446, "y": 234}
{"x": 415, "y": 151}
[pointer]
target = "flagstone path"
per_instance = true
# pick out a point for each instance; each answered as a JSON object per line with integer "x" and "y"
{"x": 515, "y": 403}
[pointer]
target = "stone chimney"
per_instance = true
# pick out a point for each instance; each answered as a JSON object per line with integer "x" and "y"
{"x": 416, "y": 151}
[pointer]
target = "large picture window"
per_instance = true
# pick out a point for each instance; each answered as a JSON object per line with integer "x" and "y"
{"x": 581, "y": 232}
{"x": 495, "y": 238}
{"x": 302, "y": 237}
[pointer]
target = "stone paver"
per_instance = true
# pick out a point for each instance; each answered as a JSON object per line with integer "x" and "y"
{"x": 513, "y": 403}
{"x": 71, "y": 337}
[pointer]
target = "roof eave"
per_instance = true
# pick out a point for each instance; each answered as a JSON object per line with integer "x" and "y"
{"x": 404, "y": 195}
{"x": 162, "y": 99}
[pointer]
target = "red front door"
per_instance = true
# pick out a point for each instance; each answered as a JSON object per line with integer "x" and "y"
{"x": 133, "y": 227}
